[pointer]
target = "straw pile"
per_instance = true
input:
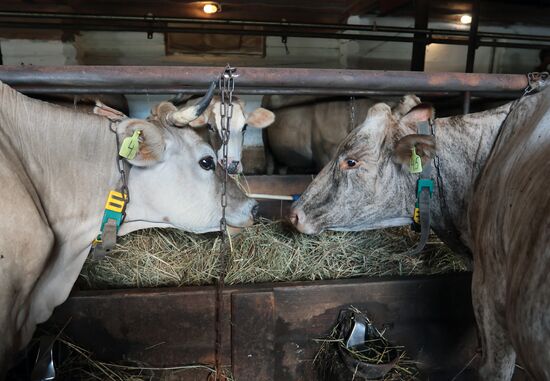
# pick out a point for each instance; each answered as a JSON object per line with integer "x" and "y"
{"x": 266, "y": 252}
{"x": 80, "y": 364}
{"x": 376, "y": 350}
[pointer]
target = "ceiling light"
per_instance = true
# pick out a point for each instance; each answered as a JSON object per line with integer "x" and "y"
{"x": 210, "y": 8}
{"x": 466, "y": 19}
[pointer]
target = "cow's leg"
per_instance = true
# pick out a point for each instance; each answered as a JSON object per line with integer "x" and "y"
{"x": 529, "y": 302}
{"x": 498, "y": 354}
{"x": 24, "y": 250}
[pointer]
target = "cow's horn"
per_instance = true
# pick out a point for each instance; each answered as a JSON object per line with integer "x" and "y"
{"x": 188, "y": 114}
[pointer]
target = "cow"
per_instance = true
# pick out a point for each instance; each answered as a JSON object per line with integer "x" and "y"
{"x": 87, "y": 102}
{"x": 308, "y": 129}
{"x": 491, "y": 194}
{"x": 211, "y": 118}
{"x": 57, "y": 167}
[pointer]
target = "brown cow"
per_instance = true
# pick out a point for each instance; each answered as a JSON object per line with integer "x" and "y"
{"x": 492, "y": 193}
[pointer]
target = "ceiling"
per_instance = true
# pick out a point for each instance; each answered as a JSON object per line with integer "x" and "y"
{"x": 311, "y": 11}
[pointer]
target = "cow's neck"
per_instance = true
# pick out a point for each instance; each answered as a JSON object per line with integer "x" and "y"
{"x": 70, "y": 158}
{"x": 463, "y": 145}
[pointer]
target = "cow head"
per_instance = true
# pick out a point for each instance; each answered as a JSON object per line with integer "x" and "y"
{"x": 175, "y": 182}
{"x": 367, "y": 185}
{"x": 210, "y": 115}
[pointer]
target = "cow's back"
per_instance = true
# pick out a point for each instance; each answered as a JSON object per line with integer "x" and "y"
{"x": 510, "y": 223}
{"x": 307, "y": 131}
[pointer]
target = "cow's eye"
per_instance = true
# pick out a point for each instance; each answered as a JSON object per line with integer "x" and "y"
{"x": 351, "y": 163}
{"x": 210, "y": 128}
{"x": 245, "y": 127}
{"x": 207, "y": 163}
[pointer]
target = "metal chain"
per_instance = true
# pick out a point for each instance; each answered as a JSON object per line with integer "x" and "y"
{"x": 226, "y": 86}
{"x": 351, "y": 113}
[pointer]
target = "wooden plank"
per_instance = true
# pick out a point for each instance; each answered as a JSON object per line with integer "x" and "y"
{"x": 431, "y": 317}
{"x": 279, "y": 184}
{"x": 253, "y": 335}
{"x": 160, "y": 327}
{"x": 269, "y": 329}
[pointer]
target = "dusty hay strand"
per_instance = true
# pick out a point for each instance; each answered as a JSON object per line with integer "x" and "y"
{"x": 80, "y": 364}
{"x": 266, "y": 252}
{"x": 375, "y": 351}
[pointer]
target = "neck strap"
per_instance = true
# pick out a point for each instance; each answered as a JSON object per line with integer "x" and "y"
{"x": 115, "y": 208}
{"x": 424, "y": 192}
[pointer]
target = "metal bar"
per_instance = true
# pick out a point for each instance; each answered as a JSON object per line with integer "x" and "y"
{"x": 466, "y": 104}
{"x": 152, "y": 28}
{"x": 472, "y": 39}
{"x": 162, "y": 77}
{"x": 419, "y": 47}
{"x": 172, "y": 29}
{"x": 242, "y": 91}
{"x": 263, "y": 24}
{"x": 261, "y": 32}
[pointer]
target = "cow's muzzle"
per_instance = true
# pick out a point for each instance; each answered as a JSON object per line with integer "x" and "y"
{"x": 298, "y": 218}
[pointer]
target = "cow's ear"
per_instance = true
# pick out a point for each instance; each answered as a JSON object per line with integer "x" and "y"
{"x": 424, "y": 146}
{"x": 160, "y": 112}
{"x": 421, "y": 113}
{"x": 102, "y": 109}
{"x": 406, "y": 104}
{"x": 151, "y": 142}
{"x": 260, "y": 118}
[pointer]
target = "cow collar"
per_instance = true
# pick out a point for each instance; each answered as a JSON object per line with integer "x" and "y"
{"x": 115, "y": 208}
{"x": 424, "y": 192}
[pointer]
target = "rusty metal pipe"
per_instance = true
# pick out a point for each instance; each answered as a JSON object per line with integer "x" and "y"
{"x": 97, "y": 78}
{"x": 261, "y": 24}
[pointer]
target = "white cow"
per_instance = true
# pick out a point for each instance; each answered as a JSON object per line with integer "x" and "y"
{"x": 211, "y": 117}
{"x": 57, "y": 167}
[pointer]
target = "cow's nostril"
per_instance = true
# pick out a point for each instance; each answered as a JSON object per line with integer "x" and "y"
{"x": 293, "y": 218}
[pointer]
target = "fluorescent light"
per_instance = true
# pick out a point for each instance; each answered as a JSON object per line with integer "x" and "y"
{"x": 466, "y": 19}
{"x": 211, "y": 8}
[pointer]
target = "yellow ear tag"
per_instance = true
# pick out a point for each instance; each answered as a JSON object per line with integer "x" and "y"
{"x": 130, "y": 146}
{"x": 415, "y": 164}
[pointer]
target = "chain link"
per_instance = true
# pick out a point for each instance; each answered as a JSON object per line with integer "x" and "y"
{"x": 226, "y": 87}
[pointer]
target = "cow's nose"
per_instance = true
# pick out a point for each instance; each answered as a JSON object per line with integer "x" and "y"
{"x": 233, "y": 167}
{"x": 296, "y": 216}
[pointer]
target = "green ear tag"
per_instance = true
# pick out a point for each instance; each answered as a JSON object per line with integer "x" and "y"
{"x": 130, "y": 146}
{"x": 415, "y": 165}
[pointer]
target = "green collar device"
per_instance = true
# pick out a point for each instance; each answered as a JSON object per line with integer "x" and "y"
{"x": 424, "y": 193}
{"x": 115, "y": 207}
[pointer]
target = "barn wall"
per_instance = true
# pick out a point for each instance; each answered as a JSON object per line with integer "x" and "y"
{"x": 396, "y": 55}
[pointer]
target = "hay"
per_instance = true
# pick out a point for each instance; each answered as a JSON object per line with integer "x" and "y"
{"x": 378, "y": 350}
{"x": 80, "y": 364}
{"x": 266, "y": 252}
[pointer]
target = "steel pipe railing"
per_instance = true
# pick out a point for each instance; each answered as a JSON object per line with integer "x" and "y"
{"x": 158, "y": 79}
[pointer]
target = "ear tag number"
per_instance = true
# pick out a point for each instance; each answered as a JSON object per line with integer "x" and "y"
{"x": 415, "y": 165}
{"x": 130, "y": 146}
